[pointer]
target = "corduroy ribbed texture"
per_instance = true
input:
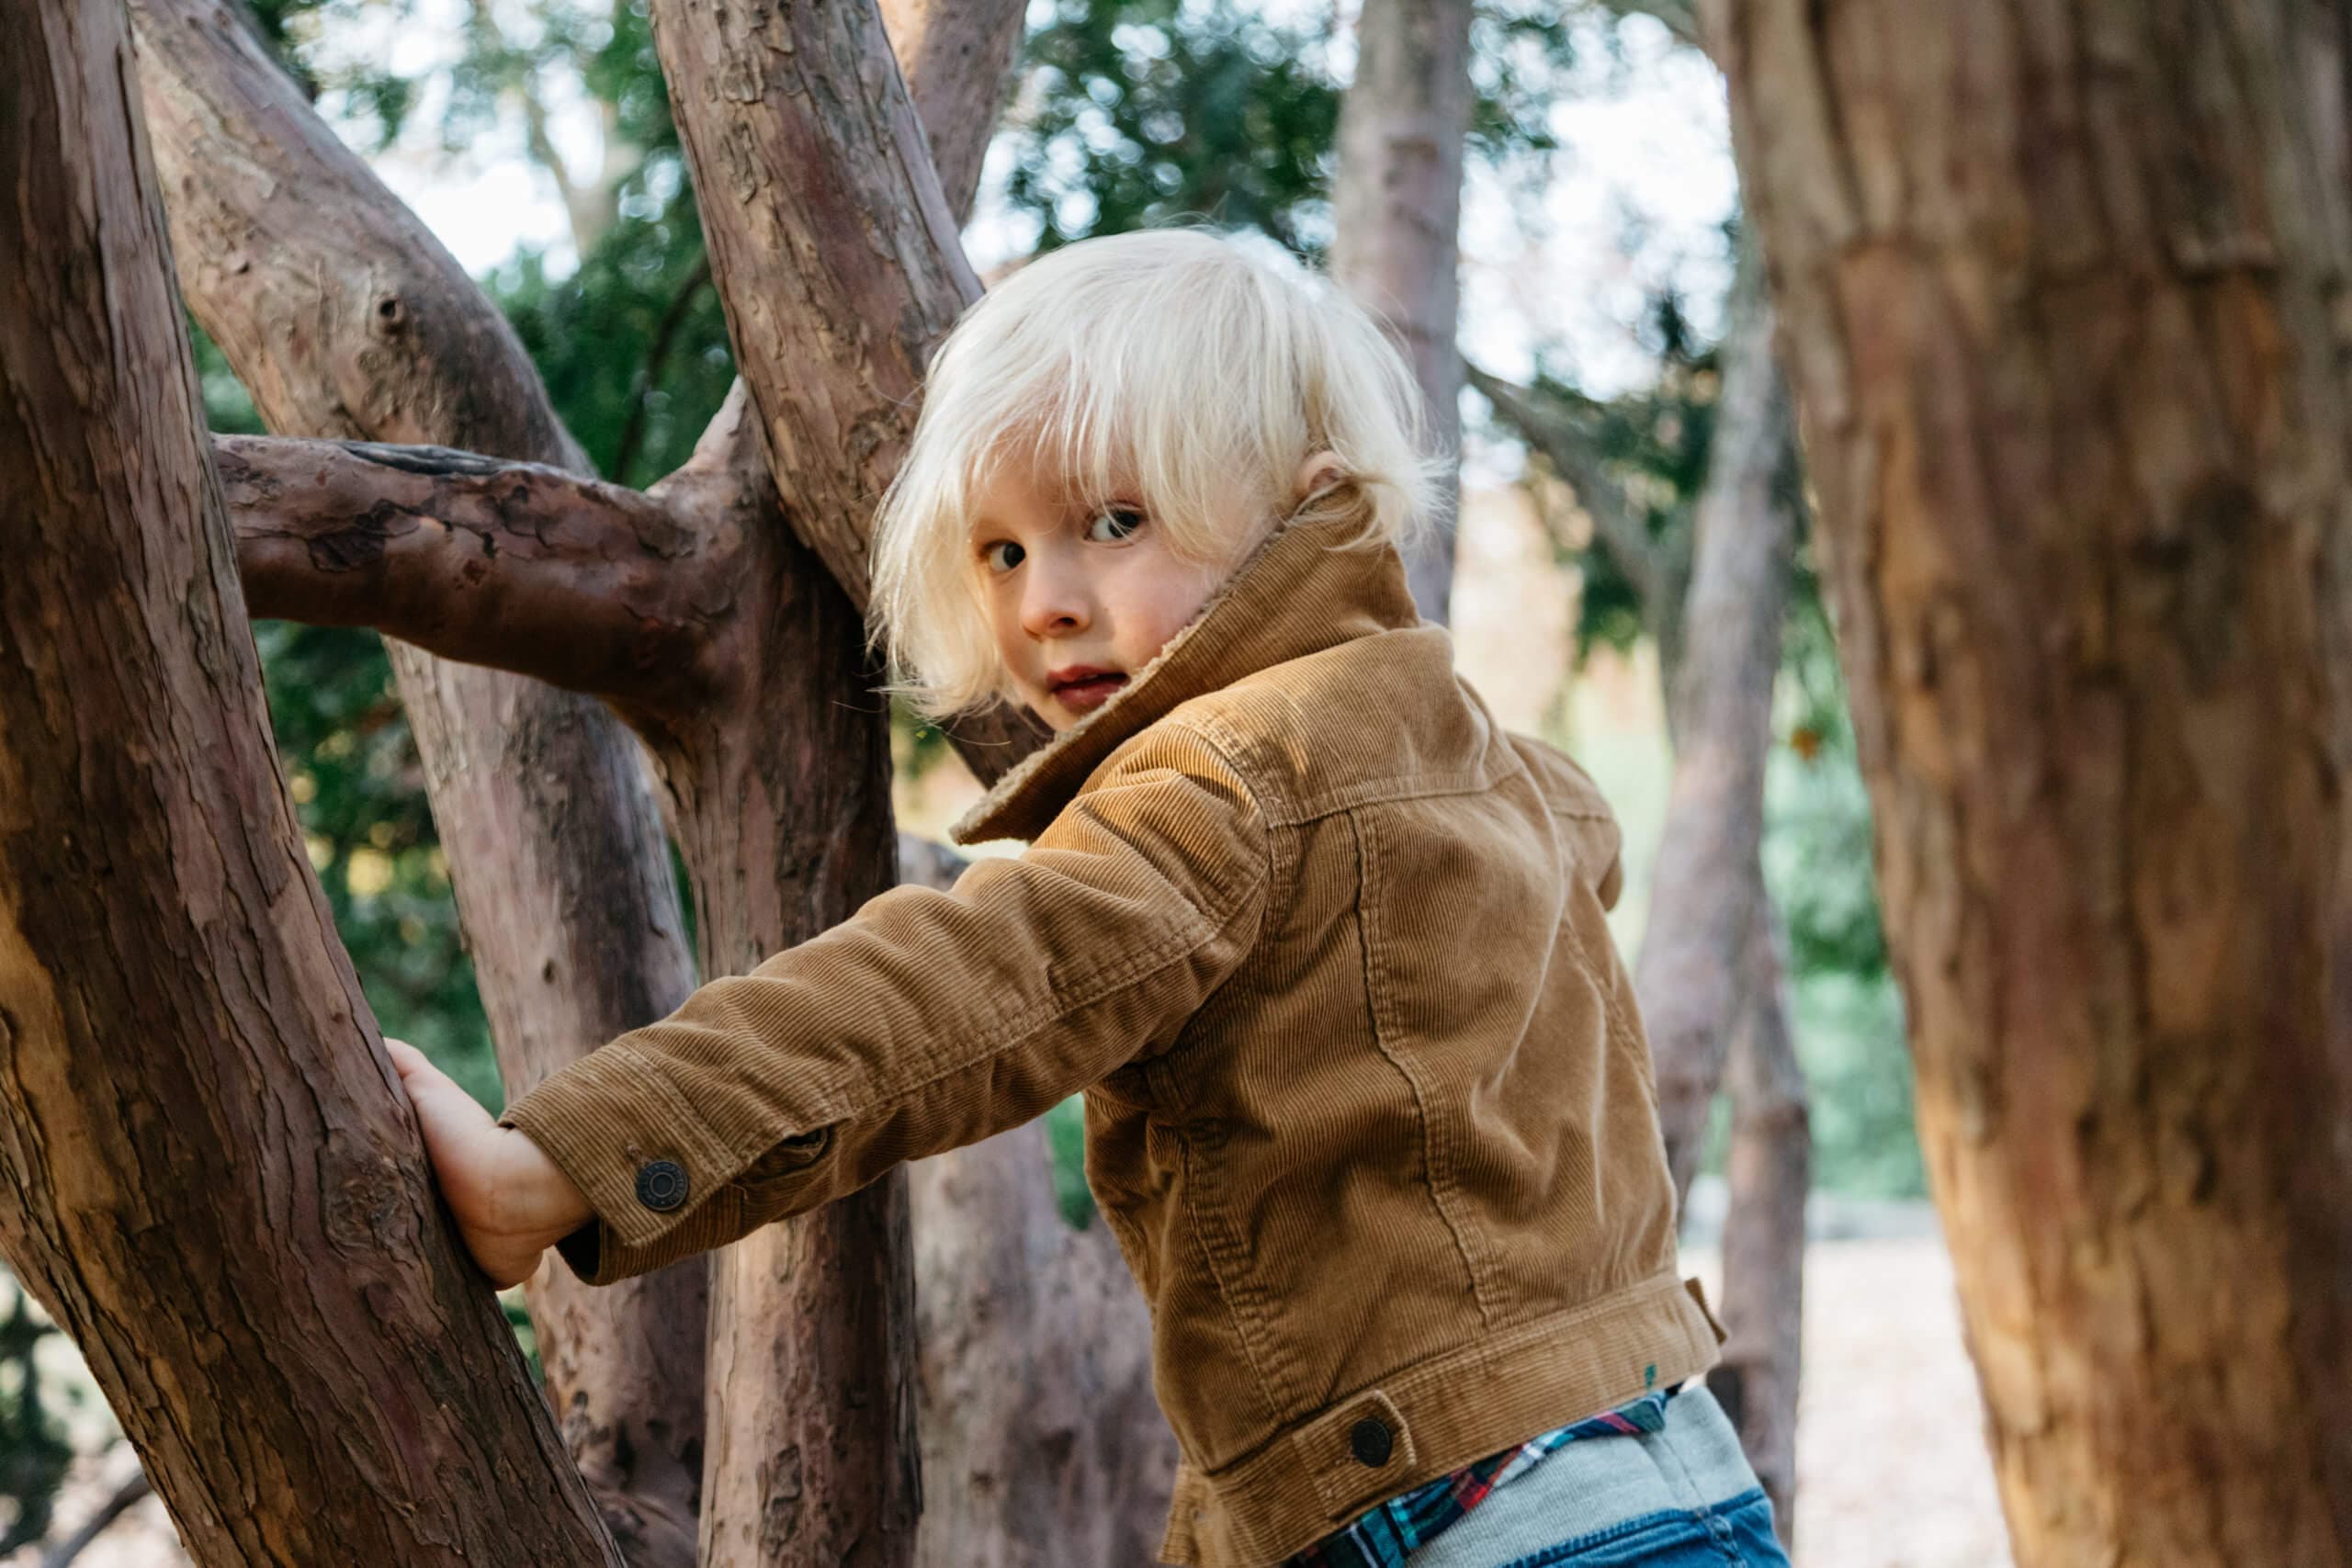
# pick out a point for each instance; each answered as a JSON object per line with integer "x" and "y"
{"x": 1369, "y": 1107}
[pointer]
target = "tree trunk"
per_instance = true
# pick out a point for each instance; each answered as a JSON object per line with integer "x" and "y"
{"x": 2062, "y": 296}
{"x": 1770, "y": 1174}
{"x": 1708, "y": 886}
{"x": 344, "y": 317}
{"x": 956, "y": 58}
{"x": 1396, "y": 209}
{"x": 168, "y": 966}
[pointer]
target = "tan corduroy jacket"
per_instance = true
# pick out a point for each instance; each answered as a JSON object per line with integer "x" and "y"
{"x": 1368, "y": 1104}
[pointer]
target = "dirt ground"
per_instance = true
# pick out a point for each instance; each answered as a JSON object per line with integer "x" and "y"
{"x": 1892, "y": 1472}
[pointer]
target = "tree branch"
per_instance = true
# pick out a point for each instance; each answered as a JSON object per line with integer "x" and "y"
{"x": 62, "y": 1554}
{"x": 957, "y": 59}
{"x": 1553, "y": 430}
{"x": 518, "y": 565}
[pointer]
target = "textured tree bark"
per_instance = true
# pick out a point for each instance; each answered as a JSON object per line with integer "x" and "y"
{"x": 168, "y": 967}
{"x": 822, "y": 209}
{"x": 1396, "y": 209}
{"x": 344, "y": 317}
{"x": 1770, "y": 1173}
{"x": 1708, "y": 885}
{"x": 2061, "y": 297}
{"x": 589, "y": 586}
{"x": 781, "y": 787}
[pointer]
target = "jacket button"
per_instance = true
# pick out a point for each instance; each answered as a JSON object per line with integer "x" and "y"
{"x": 1370, "y": 1441}
{"x": 662, "y": 1185}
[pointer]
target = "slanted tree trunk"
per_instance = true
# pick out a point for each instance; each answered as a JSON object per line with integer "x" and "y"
{"x": 344, "y": 317}
{"x": 2062, "y": 291}
{"x": 1396, "y": 209}
{"x": 213, "y": 1181}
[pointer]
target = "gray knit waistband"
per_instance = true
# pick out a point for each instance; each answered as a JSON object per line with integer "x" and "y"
{"x": 1597, "y": 1483}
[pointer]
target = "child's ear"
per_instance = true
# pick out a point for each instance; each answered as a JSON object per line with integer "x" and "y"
{"x": 1321, "y": 469}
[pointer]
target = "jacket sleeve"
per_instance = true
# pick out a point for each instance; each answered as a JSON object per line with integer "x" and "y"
{"x": 927, "y": 1021}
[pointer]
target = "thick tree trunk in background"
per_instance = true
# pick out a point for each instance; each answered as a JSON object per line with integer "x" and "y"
{"x": 1396, "y": 209}
{"x": 2062, "y": 295}
{"x": 167, "y": 963}
{"x": 1770, "y": 1174}
{"x": 344, "y": 317}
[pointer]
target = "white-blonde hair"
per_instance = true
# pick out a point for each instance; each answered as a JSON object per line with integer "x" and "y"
{"x": 1192, "y": 371}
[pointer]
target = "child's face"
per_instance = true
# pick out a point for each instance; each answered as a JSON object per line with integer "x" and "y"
{"x": 1080, "y": 597}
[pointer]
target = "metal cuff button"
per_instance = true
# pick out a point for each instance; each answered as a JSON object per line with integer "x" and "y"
{"x": 662, "y": 1185}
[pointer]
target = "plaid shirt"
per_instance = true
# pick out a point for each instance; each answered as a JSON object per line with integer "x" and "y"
{"x": 1382, "y": 1538}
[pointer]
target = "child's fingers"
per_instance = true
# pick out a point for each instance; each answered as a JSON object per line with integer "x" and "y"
{"x": 410, "y": 1063}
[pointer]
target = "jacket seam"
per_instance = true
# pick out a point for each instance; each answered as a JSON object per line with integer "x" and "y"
{"x": 1385, "y": 1029}
{"x": 1248, "y": 1326}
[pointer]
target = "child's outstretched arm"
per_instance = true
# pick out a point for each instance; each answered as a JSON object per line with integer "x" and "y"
{"x": 927, "y": 1021}
{"x": 512, "y": 1203}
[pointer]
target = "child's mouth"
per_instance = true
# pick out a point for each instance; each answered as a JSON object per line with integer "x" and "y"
{"x": 1092, "y": 692}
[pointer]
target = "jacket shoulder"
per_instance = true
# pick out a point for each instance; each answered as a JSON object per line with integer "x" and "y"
{"x": 1577, "y": 804}
{"x": 1376, "y": 718}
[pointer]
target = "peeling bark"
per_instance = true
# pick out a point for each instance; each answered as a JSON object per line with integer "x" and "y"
{"x": 168, "y": 965}
{"x": 2062, "y": 292}
{"x": 588, "y": 586}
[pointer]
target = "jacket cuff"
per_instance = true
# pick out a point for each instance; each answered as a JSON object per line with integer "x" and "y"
{"x": 663, "y": 1186}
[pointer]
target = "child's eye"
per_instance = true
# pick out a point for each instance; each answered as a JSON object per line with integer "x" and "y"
{"x": 1001, "y": 555}
{"x": 1122, "y": 521}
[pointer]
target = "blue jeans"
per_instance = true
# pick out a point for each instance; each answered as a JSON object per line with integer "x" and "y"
{"x": 1683, "y": 1497}
{"x": 1738, "y": 1531}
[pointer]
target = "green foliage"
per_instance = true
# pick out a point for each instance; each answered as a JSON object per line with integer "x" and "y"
{"x": 1817, "y": 862}
{"x": 1066, "y": 1132}
{"x": 1146, "y": 111}
{"x": 1132, "y": 113}
{"x": 632, "y": 344}
{"x": 34, "y": 1454}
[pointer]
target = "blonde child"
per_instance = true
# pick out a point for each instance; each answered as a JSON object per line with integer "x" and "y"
{"x": 1368, "y": 1104}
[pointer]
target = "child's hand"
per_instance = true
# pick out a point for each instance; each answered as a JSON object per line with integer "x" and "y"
{"x": 511, "y": 1201}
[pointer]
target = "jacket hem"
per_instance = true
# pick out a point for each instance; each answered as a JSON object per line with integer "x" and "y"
{"x": 1441, "y": 1414}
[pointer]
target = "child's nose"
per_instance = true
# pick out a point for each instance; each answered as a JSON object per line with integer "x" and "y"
{"x": 1055, "y": 601}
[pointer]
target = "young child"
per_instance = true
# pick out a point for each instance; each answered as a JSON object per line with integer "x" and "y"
{"x": 1368, "y": 1104}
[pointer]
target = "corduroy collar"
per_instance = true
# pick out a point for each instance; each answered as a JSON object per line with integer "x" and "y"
{"x": 1295, "y": 595}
